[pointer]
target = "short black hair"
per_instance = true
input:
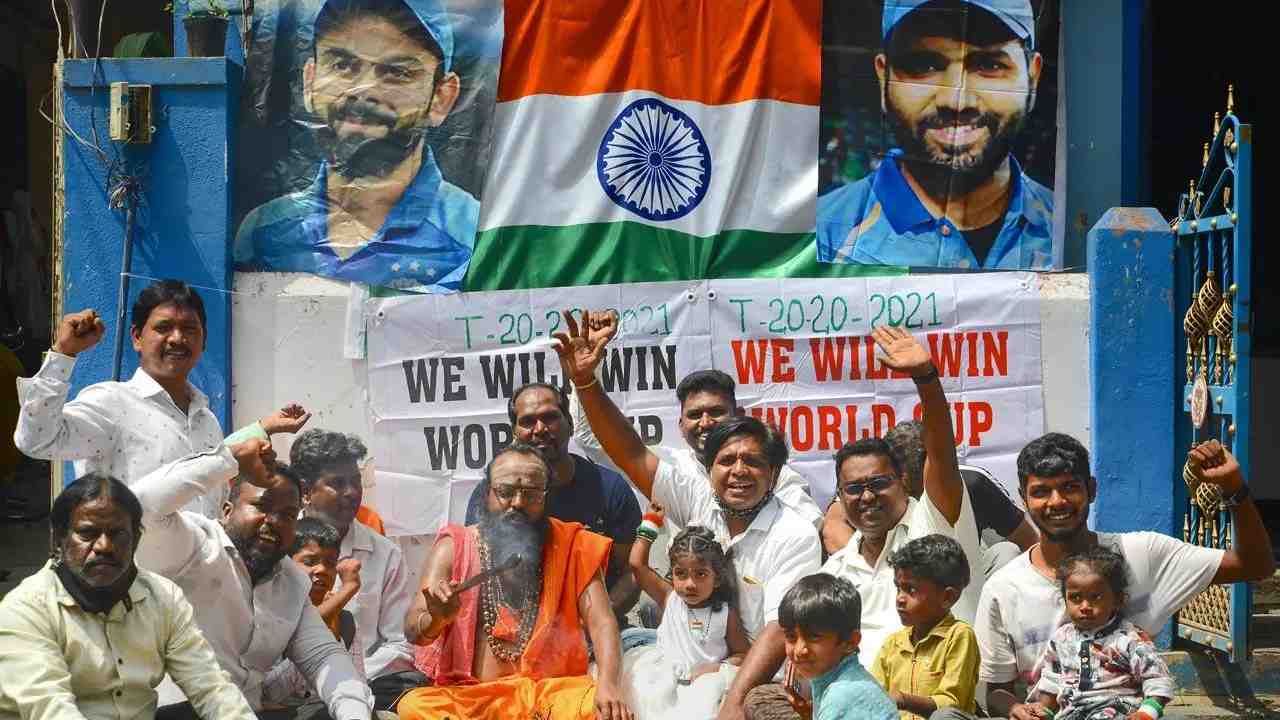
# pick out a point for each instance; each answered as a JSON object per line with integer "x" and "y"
{"x": 278, "y": 469}
{"x": 936, "y": 558}
{"x": 775, "y": 448}
{"x": 864, "y": 447}
{"x": 979, "y": 27}
{"x": 88, "y": 488}
{"x": 700, "y": 542}
{"x": 562, "y": 400}
{"x": 314, "y": 530}
{"x": 522, "y": 449}
{"x": 335, "y": 13}
{"x": 822, "y": 603}
{"x": 161, "y": 292}
{"x": 713, "y": 381}
{"x": 1051, "y": 455}
{"x": 906, "y": 442}
{"x": 316, "y": 450}
{"x": 1099, "y": 559}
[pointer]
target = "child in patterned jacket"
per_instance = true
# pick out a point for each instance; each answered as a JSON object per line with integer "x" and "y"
{"x": 1100, "y": 666}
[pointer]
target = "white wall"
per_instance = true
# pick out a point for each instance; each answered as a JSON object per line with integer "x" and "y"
{"x": 288, "y": 330}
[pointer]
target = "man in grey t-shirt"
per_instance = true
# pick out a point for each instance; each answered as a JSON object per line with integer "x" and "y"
{"x": 1021, "y": 604}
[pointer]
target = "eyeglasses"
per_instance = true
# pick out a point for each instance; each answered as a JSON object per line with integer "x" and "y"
{"x": 877, "y": 484}
{"x": 507, "y": 493}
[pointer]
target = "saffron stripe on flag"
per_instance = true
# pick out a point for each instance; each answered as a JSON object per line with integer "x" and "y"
{"x": 709, "y": 51}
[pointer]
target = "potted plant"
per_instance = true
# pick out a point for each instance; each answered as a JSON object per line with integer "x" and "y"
{"x": 206, "y": 26}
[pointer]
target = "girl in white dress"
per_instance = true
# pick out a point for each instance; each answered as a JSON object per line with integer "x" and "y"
{"x": 701, "y": 640}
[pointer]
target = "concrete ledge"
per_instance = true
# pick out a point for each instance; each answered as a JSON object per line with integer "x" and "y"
{"x": 147, "y": 71}
{"x": 1208, "y": 675}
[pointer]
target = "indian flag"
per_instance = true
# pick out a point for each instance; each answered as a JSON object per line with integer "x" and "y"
{"x": 649, "y": 140}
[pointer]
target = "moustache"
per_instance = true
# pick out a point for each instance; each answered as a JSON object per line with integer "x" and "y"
{"x": 364, "y": 112}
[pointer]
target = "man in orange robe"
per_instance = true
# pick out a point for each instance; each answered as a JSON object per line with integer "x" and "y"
{"x": 513, "y": 647}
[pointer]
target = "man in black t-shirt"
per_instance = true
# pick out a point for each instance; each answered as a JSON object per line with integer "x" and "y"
{"x": 581, "y": 491}
{"x": 1002, "y": 524}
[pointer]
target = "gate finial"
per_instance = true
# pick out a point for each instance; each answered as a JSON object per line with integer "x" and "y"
{"x": 1231, "y": 99}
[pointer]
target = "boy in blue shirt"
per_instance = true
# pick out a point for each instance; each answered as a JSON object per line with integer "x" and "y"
{"x": 821, "y": 617}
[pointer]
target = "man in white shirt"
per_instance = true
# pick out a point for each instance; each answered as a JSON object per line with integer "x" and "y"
{"x": 90, "y": 635}
{"x": 874, "y": 491}
{"x": 773, "y": 545}
{"x": 1022, "y": 603}
{"x": 707, "y": 398}
{"x": 155, "y": 423}
{"x": 253, "y": 608}
{"x": 328, "y": 463}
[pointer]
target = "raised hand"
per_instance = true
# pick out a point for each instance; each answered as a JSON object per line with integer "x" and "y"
{"x": 349, "y": 572}
{"x": 78, "y": 332}
{"x": 255, "y": 458}
{"x": 1214, "y": 464}
{"x": 288, "y": 419}
{"x": 901, "y": 351}
{"x": 582, "y": 346}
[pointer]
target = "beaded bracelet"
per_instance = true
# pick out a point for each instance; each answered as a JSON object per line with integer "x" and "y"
{"x": 650, "y": 525}
{"x": 646, "y": 533}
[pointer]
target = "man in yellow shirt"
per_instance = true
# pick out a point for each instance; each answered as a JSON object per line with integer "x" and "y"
{"x": 91, "y": 635}
{"x": 932, "y": 662}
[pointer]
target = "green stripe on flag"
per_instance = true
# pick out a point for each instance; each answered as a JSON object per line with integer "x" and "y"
{"x": 537, "y": 256}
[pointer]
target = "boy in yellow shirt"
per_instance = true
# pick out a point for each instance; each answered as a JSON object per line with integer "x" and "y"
{"x": 932, "y": 663}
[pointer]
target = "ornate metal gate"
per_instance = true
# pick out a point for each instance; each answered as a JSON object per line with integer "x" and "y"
{"x": 1213, "y": 266}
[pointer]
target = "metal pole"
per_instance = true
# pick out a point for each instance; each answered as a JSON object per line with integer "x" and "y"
{"x": 123, "y": 295}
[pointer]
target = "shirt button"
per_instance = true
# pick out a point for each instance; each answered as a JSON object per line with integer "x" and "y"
{"x": 963, "y": 263}
{"x": 946, "y": 230}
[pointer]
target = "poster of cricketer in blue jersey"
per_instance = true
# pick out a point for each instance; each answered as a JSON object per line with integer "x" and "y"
{"x": 939, "y": 139}
{"x": 366, "y": 134}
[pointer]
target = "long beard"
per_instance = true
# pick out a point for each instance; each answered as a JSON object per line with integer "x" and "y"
{"x": 357, "y": 155}
{"x": 951, "y": 175}
{"x": 509, "y": 533}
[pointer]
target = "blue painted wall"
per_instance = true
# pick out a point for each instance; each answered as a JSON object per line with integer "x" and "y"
{"x": 1108, "y": 82}
{"x": 1132, "y": 360}
{"x": 182, "y": 225}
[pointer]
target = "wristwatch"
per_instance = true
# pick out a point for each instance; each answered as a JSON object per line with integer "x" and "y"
{"x": 1235, "y": 500}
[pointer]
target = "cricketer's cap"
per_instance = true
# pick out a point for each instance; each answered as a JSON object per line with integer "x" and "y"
{"x": 1015, "y": 14}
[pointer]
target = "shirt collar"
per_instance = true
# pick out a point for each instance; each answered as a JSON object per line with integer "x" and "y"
{"x": 358, "y": 538}
{"x": 146, "y": 386}
{"x": 138, "y": 591}
{"x": 1103, "y": 631}
{"x": 761, "y": 522}
{"x": 413, "y": 208}
{"x": 905, "y": 211}
{"x": 851, "y": 550}
{"x": 902, "y": 641}
{"x": 820, "y": 683}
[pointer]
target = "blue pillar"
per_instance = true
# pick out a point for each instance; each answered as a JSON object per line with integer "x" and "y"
{"x": 184, "y": 217}
{"x": 1105, "y": 57}
{"x": 1132, "y": 359}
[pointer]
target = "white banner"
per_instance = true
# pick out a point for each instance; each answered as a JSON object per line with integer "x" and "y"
{"x": 442, "y": 368}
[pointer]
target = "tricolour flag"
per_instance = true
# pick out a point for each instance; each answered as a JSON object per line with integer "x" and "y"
{"x": 648, "y": 140}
